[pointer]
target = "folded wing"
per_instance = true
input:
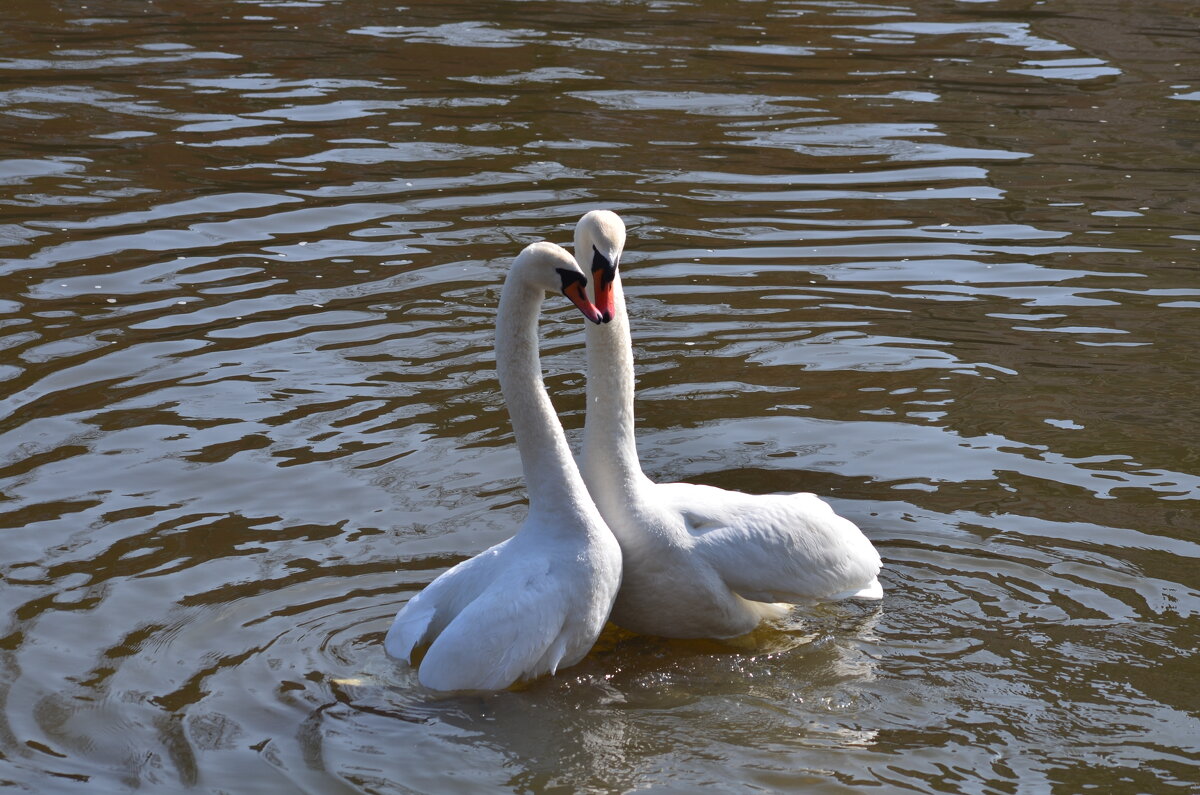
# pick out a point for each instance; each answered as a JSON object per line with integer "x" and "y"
{"x": 515, "y": 629}
{"x": 776, "y": 547}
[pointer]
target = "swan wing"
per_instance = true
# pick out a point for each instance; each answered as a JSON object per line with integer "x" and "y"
{"x": 776, "y": 547}
{"x": 410, "y": 627}
{"x": 425, "y": 615}
{"x": 515, "y": 629}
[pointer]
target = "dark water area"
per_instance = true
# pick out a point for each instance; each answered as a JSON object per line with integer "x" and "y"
{"x": 935, "y": 261}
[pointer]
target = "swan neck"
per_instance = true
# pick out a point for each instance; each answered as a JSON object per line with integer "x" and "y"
{"x": 608, "y": 439}
{"x": 551, "y": 476}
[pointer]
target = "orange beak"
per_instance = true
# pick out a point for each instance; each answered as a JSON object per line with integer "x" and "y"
{"x": 576, "y": 293}
{"x": 604, "y": 295}
{"x": 604, "y": 273}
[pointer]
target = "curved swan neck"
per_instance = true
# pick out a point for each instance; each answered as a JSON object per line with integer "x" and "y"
{"x": 551, "y": 477}
{"x": 609, "y": 448}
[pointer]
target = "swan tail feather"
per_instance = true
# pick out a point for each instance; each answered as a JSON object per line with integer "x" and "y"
{"x": 872, "y": 590}
{"x": 556, "y": 653}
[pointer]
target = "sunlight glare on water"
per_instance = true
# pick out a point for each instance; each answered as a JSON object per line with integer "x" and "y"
{"x": 935, "y": 262}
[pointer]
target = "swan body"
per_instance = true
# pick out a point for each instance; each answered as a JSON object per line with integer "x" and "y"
{"x": 699, "y": 561}
{"x": 536, "y": 602}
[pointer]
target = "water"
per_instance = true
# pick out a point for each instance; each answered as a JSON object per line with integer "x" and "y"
{"x": 935, "y": 261}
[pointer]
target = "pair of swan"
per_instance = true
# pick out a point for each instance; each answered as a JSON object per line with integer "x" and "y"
{"x": 671, "y": 559}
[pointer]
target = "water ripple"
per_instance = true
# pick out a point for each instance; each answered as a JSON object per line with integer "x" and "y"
{"x": 932, "y": 264}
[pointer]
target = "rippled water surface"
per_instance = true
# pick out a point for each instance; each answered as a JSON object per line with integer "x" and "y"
{"x": 934, "y": 260}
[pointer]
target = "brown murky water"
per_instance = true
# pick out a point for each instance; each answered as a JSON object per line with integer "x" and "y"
{"x": 935, "y": 260}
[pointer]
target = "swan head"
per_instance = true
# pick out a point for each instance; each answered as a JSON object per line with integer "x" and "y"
{"x": 549, "y": 267}
{"x": 599, "y": 241}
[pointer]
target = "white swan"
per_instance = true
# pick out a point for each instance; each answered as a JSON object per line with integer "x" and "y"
{"x": 699, "y": 561}
{"x": 536, "y": 602}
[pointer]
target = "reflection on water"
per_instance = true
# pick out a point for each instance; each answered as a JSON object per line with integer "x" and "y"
{"x": 935, "y": 262}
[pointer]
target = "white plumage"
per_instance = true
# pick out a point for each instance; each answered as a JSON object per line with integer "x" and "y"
{"x": 536, "y": 602}
{"x": 699, "y": 561}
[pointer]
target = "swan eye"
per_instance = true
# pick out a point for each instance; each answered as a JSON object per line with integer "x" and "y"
{"x": 570, "y": 277}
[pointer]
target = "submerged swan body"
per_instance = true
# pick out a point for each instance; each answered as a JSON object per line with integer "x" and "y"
{"x": 699, "y": 561}
{"x": 536, "y": 602}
